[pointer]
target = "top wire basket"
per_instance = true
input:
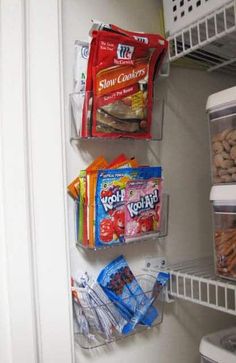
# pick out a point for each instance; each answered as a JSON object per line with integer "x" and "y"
{"x": 179, "y": 14}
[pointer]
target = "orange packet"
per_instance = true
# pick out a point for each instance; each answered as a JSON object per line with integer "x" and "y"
{"x": 130, "y": 163}
{"x": 72, "y": 190}
{"x": 100, "y": 161}
{"x": 91, "y": 172}
{"x": 117, "y": 160}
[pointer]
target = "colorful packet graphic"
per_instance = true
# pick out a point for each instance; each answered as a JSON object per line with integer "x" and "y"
{"x": 82, "y": 230}
{"x": 91, "y": 172}
{"x": 120, "y": 74}
{"x": 142, "y": 207}
{"x": 120, "y": 285}
{"x": 119, "y": 159}
{"x": 110, "y": 202}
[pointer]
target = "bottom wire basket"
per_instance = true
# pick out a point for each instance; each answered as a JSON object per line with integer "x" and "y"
{"x": 91, "y": 328}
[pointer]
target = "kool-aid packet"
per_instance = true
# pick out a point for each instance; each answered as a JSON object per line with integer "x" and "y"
{"x": 142, "y": 207}
{"x": 110, "y": 216}
{"x": 110, "y": 201}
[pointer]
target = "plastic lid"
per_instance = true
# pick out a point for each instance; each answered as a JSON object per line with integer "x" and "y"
{"x": 214, "y": 346}
{"x": 224, "y": 193}
{"x": 221, "y": 98}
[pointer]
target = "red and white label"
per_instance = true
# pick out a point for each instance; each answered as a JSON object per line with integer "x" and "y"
{"x": 125, "y": 51}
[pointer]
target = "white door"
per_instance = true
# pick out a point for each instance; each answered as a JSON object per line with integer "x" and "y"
{"x": 35, "y": 308}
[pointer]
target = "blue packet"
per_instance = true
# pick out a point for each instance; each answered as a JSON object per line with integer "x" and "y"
{"x": 120, "y": 285}
{"x": 110, "y": 201}
{"x": 162, "y": 279}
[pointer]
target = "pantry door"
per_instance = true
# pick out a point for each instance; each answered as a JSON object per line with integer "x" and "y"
{"x": 35, "y": 309}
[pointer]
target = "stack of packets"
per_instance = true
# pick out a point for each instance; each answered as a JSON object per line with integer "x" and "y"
{"x": 114, "y": 77}
{"x": 116, "y": 202}
{"x": 115, "y": 303}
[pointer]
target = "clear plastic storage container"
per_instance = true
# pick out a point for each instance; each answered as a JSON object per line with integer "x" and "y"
{"x": 223, "y": 199}
{"x": 221, "y": 108}
{"x": 219, "y": 347}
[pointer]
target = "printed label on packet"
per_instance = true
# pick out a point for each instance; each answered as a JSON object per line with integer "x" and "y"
{"x": 110, "y": 201}
{"x": 142, "y": 207}
{"x": 110, "y": 217}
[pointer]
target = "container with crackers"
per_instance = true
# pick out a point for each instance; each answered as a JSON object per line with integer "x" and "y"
{"x": 223, "y": 198}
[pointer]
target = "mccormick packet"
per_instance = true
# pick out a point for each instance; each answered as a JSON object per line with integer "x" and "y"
{"x": 146, "y": 38}
{"x": 77, "y": 98}
{"x": 142, "y": 207}
{"x": 120, "y": 285}
{"x": 121, "y": 70}
{"x": 110, "y": 201}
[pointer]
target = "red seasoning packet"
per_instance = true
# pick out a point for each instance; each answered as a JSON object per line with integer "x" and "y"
{"x": 120, "y": 82}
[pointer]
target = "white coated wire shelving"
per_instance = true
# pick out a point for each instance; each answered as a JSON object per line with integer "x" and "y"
{"x": 210, "y": 40}
{"x": 196, "y": 281}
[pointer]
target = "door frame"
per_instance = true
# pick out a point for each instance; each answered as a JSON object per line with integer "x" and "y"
{"x": 34, "y": 258}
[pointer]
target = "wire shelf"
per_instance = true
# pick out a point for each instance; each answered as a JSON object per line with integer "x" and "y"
{"x": 209, "y": 40}
{"x": 196, "y": 281}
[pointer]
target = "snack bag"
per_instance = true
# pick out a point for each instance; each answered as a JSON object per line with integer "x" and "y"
{"x": 120, "y": 285}
{"x": 120, "y": 73}
{"x": 142, "y": 207}
{"x": 110, "y": 201}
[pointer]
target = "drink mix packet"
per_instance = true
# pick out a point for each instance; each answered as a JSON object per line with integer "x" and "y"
{"x": 82, "y": 210}
{"x": 119, "y": 159}
{"x": 120, "y": 77}
{"x": 110, "y": 202}
{"x": 91, "y": 174}
{"x": 73, "y": 188}
{"x": 142, "y": 207}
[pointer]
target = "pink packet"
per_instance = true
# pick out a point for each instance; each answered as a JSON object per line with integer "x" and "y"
{"x": 142, "y": 207}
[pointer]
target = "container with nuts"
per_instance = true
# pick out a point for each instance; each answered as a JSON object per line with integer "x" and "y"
{"x": 224, "y": 218}
{"x": 223, "y": 145}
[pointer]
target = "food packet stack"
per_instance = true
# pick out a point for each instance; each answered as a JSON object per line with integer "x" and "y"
{"x": 121, "y": 69}
{"x": 116, "y": 202}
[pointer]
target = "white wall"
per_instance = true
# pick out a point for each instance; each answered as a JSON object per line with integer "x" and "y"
{"x": 184, "y": 155}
